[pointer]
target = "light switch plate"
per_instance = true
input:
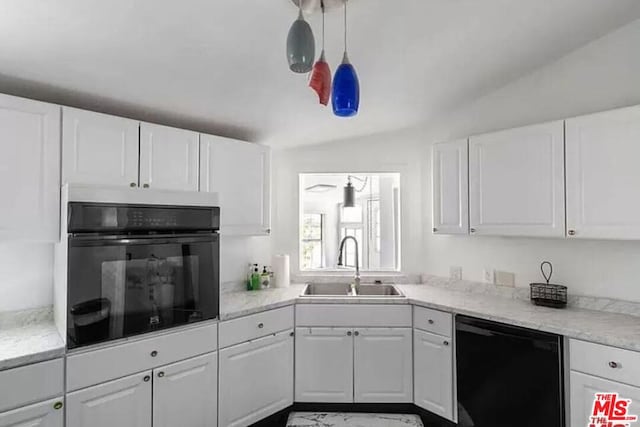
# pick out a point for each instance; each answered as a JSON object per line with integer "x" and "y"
{"x": 455, "y": 272}
{"x": 505, "y": 278}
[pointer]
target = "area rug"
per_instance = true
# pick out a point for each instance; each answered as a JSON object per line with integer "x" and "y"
{"x": 344, "y": 419}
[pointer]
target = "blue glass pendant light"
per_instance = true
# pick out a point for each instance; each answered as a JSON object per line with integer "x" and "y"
{"x": 345, "y": 95}
{"x": 301, "y": 46}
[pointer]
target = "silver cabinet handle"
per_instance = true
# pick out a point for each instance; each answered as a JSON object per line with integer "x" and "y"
{"x": 349, "y": 333}
{"x": 430, "y": 321}
{"x": 446, "y": 343}
{"x": 58, "y": 405}
{"x": 160, "y": 374}
{"x": 291, "y": 334}
{"x": 472, "y": 230}
{"x": 435, "y": 230}
{"x": 260, "y": 325}
{"x": 572, "y": 232}
{"x": 145, "y": 185}
{"x": 154, "y": 353}
{"x": 614, "y": 365}
{"x": 356, "y": 333}
{"x": 133, "y": 184}
{"x": 146, "y": 378}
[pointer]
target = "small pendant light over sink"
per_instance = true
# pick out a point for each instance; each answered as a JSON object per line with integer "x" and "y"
{"x": 345, "y": 95}
{"x": 301, "y": 46}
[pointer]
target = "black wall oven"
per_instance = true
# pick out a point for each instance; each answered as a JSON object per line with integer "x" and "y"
{"x": 134, "y": 269}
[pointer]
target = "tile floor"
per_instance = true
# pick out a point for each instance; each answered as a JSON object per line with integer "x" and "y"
{"x": 337, "y": 419}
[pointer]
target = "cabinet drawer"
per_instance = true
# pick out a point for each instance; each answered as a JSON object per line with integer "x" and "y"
{"x": 255, "y": 326}
{"x": 373, "y": 315}
{"x": 32, "y": 383}
{"x": 606, "y": 362}
{"x": 98, "y": 366}
{"x": 434, "y": 321}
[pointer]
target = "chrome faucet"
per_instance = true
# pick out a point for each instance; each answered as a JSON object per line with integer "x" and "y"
{"x": 356, "y": 279}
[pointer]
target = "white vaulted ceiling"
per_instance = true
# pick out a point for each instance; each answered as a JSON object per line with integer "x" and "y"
{"x": 219, "y": 65}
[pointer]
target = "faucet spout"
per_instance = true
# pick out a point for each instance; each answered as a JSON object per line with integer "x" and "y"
{"x": 340, "y": 257}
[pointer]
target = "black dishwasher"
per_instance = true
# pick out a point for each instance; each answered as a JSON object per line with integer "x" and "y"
{"x": 508, "y": 376}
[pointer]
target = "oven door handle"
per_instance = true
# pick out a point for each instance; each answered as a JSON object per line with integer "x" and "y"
{"x": 120, "y": 240}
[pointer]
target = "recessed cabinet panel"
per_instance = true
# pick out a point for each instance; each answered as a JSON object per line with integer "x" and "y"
{"x": 433, "y": 373}
{"x": 324, "y": 365}
{"x": 124, "y": 403}
{"x": 44, "y": 414}
{"x": 583, "y": 389}
{"x": 382, "y": 365}
{"x": 169, "y": 158}
{"x": 516, "y": 182}
{"x": 99, "y": 149}
{"x": 29, "y": 170}
{"x": 239, "y": 172}
{"x": 450, "y": 188}
{"x": 256, "y": 379}
{"x": 185, "y": 393}
{"x": 603, "y": 176}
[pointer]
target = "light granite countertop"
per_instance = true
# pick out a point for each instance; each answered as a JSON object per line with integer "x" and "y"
{"x": 28, "y": 337}
{"x": 618, "y": 330}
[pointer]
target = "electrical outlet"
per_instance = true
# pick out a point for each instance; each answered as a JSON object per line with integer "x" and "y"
{"x": 505, "y": 278}
{"x": 488, "y": 276}
{"x": 455, "y": 272}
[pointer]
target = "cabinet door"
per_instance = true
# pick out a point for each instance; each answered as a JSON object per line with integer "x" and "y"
{"x": 29, "y": 169}
{"x": 433, "y": 373}
{"x": 603, "y": 176}
{"x": 99, "y": 149}
{"x": 239, "y": 172}
{"x": 450, "y": 166}
{"x": 168, "y": 158}
{"x": 382, "y": 365}
{"x": 43, "y": 414}
{"x": 256, "y": 379}
{"x": 516, "y": 182}
{"x": 185, "y": 394}
{"x": 124, "y": 403}
{"x": 583, "y": 389}
{"x": 324, "y": 365}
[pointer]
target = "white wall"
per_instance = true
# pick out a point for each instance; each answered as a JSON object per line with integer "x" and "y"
{"x": 26, "y": 275}
{"x": 600, "y": 76}
{"x": 236, "y": 253}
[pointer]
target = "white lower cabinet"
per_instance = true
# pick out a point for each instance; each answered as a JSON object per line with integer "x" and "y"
{"x": 185, "y": 393}
{"x": 583, "y": 390}
{"x": 433, "y": 373}
{"x": 124, "y": 403}
{"x": 43, "y": 414}
{"x": 382, "y": 368}
{"x": 256, "y": 379}
{"x": 324, "y": 365}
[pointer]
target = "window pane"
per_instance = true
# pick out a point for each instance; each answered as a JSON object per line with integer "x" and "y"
{"x": 353, "y": 214}
{"x": 312, "y": 255}
{"x": 312, "y": 227}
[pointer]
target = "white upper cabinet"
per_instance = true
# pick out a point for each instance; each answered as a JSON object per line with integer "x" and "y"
{"x": 433, "y": 373}
{"x": 603, "y": 176}
{"x": 99, "y": 149}
{"x": 256, "y": 379}
{"x": 516, "y": 182}
{"x": 382, "y": 365}
{"x": 239, "y": 172}
{"x": 324, "y": 365}
{"x": 124, "y": 403}
{"x": 450, "y": 188}
{"x": 185, "y": 393}
{"x": 29, "y": 169}
{"x": 168, "y": 158}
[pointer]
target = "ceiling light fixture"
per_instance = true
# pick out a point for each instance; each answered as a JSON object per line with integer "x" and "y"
{"x": 301, "y": 46}
{"x": 346, "y": 87}
{"x": 349, "y": 199}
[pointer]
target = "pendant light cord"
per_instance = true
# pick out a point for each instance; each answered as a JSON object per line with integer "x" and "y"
{"x": 322, "y": 6}
{"x": 345, "y": 25}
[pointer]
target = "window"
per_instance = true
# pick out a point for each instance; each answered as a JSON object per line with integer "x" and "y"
{"x": 312, "y": 241}
{"x": 372, "y": 218}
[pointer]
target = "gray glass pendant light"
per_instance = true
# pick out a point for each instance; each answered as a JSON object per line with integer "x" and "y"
{"x": 301, "y": 46}
{"x": 349, "y": 199}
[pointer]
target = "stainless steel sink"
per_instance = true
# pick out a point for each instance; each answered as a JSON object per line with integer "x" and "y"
{"x": 347, "y": 291}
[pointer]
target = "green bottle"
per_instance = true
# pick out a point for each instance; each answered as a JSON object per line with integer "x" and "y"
{"x": 255, "y": 280}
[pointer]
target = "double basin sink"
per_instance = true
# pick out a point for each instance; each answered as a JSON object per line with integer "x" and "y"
{"x": 350, "y": 291}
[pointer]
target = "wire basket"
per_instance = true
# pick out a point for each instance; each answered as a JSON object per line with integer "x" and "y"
{"x": 548, "y": 294}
